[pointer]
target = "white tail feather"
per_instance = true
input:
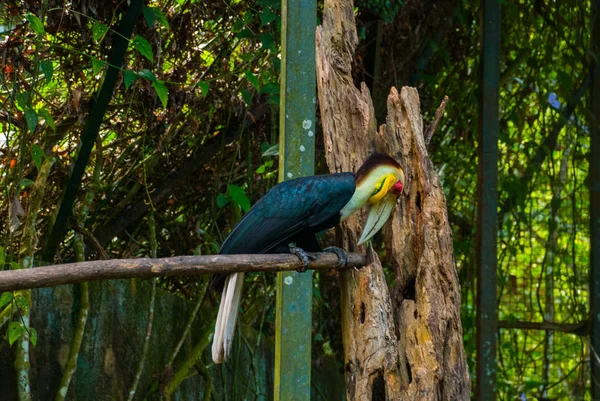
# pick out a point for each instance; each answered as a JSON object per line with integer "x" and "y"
{"x": 228, "y": 310}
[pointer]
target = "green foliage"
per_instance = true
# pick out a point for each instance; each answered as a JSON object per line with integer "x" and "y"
{"x": 144, "y": 47}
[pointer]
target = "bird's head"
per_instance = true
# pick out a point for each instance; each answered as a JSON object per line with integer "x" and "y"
{"x": 379, "y": 182}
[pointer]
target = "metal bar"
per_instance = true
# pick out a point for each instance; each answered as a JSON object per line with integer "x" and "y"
{"x": 595, "y": 204}
{"x": 120, "y": 41}
{"x": 293, "y": 336}
{"x": 487, "y": 207}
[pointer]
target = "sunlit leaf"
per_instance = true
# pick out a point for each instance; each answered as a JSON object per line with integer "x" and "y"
{"x": 31, "y": 118}
{"x": 143, "y": 46}
{"x": 239, "y": 197}
{"x": 129, "y": 78}
{"x": 96, "y": 66}
{"x": 36, "y": 24}
{"x": 15, "y": 330}
{"x": 204, "y": 88}
{"x": 5, "y": 298}
{"x": 98, "y": 31}
{"x": 37, "y": 154}
{"x": 22, "y": 303}
{"x": 161, "y": 91}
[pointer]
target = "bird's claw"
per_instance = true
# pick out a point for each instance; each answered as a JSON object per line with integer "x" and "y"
{"x": 303, "y": 256}
{"x": 341, "y": 254}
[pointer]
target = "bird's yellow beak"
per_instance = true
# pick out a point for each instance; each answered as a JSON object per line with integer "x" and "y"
{"x": 379, "y": 214}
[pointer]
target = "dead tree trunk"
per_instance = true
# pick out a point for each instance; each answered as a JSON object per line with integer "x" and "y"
{"x": 406, "y": 345}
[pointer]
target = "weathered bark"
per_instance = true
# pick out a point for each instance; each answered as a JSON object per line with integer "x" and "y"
{"x": 416, "y": 351}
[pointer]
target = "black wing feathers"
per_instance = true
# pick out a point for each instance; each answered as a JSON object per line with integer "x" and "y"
{"x": 301, "y": 206}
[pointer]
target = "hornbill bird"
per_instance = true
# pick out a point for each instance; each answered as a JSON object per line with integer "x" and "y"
{"x": 292, "y": 212}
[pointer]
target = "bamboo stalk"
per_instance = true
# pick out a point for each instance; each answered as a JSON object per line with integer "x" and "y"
{"x": 73, "y": 273}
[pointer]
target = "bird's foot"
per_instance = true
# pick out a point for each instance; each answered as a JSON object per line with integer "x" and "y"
{"x": 303, "y": 256}
{"x": 341, "y": 254}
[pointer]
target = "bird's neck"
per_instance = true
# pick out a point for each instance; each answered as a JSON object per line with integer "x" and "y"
{"x": 359, "y": 199}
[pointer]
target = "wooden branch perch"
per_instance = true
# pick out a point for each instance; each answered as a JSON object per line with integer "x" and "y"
{"x": 72, "y": 273}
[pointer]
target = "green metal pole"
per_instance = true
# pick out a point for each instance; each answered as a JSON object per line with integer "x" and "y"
{"x": 595, "y": 204}
{"x": 487, "y": 207}
{"x": 293, "y": 334}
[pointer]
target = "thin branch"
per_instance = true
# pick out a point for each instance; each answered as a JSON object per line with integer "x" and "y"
{"x": 438, "y": 116}
{"x": 73, "y": 273}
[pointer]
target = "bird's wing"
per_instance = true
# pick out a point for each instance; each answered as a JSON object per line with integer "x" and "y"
{"x": 289, "y": 208}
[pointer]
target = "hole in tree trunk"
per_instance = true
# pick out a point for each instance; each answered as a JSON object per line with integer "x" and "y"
{"x": 378, "y": 393}
{"x": 418, "y": 202}
{"x": 409, "y": 372}
{"x": 362, "y": 312}
{"x": 409, "y": 292}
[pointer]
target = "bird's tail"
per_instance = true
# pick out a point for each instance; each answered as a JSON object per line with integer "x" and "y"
{"x": 228, "y": 310}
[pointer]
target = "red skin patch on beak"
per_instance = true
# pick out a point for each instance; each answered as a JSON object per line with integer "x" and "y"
{"x": 397, "y": 188}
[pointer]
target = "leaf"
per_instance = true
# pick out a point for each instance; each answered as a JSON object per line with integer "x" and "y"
{"x": 36, "y": 24}
{"x": 33, "y": 336}
{"x": 143, "y": 46}
{"x": 45, "y": 114}
{"x": 261, "y": 169}
{"x": 245, "y": 33}
{"x": 161, "y": 91}
{"x": 22, "y": 100}
{"x": 204, "y": 88}
{"x": 129, "y": 78}
{"x": 37, "y": 153}
{"x": 147, "y": 74}
{"x": 1, "y": 258}
{"x": 149, "y": 16}
{"x": 268, "y": 41}
{"x": 152, "y": 14}
{"x": 252, "y": 79}
{"x": 31, "y": 118}
{"x": 161, "y": 18}
{"x": 264, "y": 146}
{"x": 47, "y": 69}
{"x": 239, "y": 197}
{"x": 25, "y": 182}
{"x": 248, "y": 17}
{"x": 270, "y": 88}
{"x": 98, "y": 31}
{"x": 6, "y": 298}
{"x": 267, "y": 16}
{"x": 222, "y": 200}
{"x": 272, "y": 151}
{"x": 247, "y": 96}
{"x": 15, "y": 330}
{"x": 22, "y": 303}
{"x": 96, "y": 66}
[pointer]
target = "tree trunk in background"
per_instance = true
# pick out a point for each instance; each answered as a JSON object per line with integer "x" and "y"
{"x": 408, "y": 344}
